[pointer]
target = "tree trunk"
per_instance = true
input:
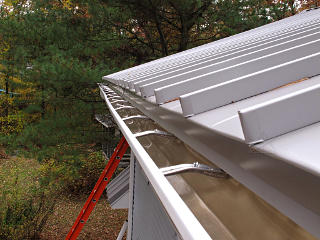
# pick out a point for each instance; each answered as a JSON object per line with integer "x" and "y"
{"x": 43, "y": 104}
{"x": 184, "y": 38}
{"x": 163, "y": 42}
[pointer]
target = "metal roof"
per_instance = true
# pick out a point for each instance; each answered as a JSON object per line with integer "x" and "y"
{"x": 257, "y": 91}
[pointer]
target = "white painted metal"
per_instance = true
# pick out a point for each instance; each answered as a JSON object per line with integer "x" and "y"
{"x": 174, "y": 90}
{"x": 131, "y": 195}
{"x": 265, "y": 175}
{"x": 135, "y": 117}
{"x": 250, "y": 85}
{"x": 284, "y": 25}
{"x": 114, "y": 97}
{"x": 205, "y": 74}
{"x": 185, "y": 222}
{"x": 122, "y": 201}
{"x": 123, "y": 230}
{"x": 117, "y": 190}
{"x": 150, "y": 220}
{"x": 111, "y": 94}
{"x": 191, "y": 58}
{"x": 281, "y": 115}
{"x": 226, "y": 119}
{"x": 238, "y": 46}
{"x": 152, "y": 132}
{"x": 303, "y": 152}
{"x": 194, "y": 168}
{"x": 124, "y": 107}
{"x": 189, "y": 68}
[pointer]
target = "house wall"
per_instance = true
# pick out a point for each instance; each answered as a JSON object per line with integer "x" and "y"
{"x": 149, "y": 219}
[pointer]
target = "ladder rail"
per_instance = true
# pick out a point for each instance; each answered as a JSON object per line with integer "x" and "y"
{"x": 98, "y": 189}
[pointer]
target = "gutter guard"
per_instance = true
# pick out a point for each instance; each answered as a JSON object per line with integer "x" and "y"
{"x": 185, "y": 222}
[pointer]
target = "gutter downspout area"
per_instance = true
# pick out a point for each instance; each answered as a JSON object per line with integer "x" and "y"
{"x": 219, "y": 207}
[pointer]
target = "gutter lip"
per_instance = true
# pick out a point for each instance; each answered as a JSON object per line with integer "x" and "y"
{"x": 184, "y": 220}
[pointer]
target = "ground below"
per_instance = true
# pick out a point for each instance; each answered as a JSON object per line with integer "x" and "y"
{"x": 104, "y": 222}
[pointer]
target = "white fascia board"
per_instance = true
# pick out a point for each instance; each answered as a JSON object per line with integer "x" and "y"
{"x": 182, "y": 217}
{"x": 221, "y": 56}
{"x": 250, "y": 85}
{"x": 207, "y": 73}
{"x": 281, "y": 115}
{"x": 235, "y": 72}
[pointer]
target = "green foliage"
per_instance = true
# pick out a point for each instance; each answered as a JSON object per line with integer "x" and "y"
{"x": 88, "y": 173}
{"x": 29, "y": 190}
{"x": 60, "y": 62}
{"x": 25, "y": 203}
{"x": 12, "y": 122}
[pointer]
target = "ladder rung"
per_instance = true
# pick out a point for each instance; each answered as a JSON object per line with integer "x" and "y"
{"x": 98, "y": 189}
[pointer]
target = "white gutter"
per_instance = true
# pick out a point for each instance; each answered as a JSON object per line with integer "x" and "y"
{"x": 185, "y": 222}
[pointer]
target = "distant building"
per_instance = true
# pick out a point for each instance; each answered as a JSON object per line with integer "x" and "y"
{"x": 2, "y": 91}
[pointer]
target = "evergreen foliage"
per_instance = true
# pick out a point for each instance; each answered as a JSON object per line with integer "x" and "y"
{"x": 52, "y": 54}
{"x": 55, "y": 54}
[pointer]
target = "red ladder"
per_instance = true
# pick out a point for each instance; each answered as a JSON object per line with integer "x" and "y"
{"x": 98, "y": 189}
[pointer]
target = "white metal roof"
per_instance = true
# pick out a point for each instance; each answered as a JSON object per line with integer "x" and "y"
{"x": 259, "y": 88}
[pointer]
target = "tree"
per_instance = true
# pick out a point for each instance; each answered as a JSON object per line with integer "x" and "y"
{"x": 308, "y": 4}
{"x": 155, "y": 28}
{"x": 11, "y": 57}
{"x": 52, "y": 48}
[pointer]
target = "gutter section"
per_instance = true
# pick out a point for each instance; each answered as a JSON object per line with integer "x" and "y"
{"x": 185, "y": 222}
{"x": 292, "y": 191}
